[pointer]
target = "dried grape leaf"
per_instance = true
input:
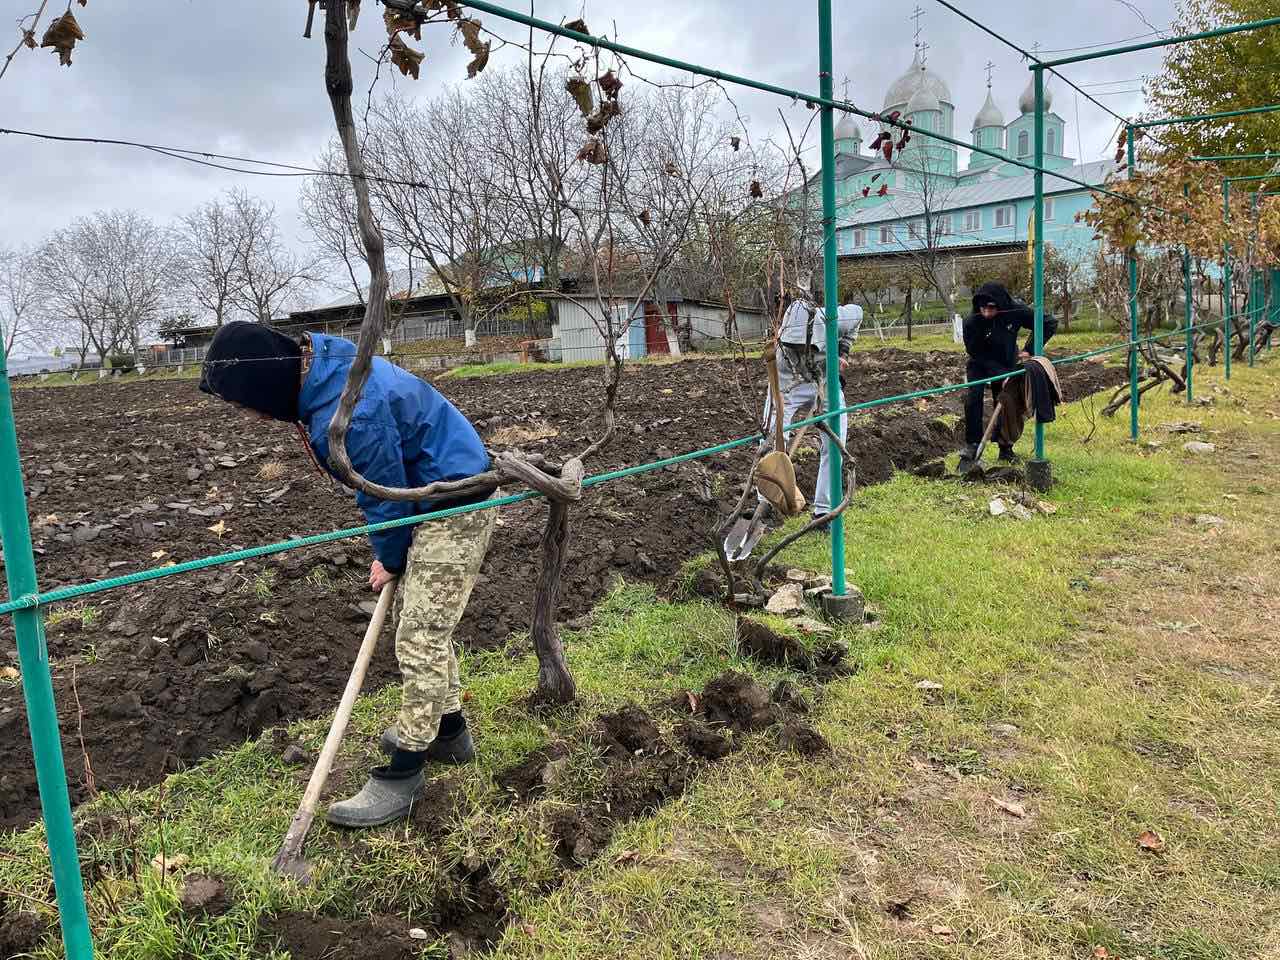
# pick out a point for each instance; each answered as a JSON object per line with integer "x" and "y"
{"x": 600, "y": 119}
{"x": 884, "y": 189}
{"x": 62, "y": 35}
{"x": 479, "y": 49}
{"x": 757, "y": 191}
{"x": 735, "y": 142}
{"x": 580, "y": 90}
{"x": 887, "y": 149}
{"x": 671, "y": 170}
{"x": 594, "y": 151}
{"x": 398, "y": 21}
{"x": 645, "y": 218}
{"x": 610, "y": 84}
{"x": 577, "y": 26}
{"x": 29, "y": 38}
{"x": 866, "y": 191}
{"x": 405, "y": 57}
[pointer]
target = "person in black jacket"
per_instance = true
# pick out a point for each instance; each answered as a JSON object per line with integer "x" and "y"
{"x": 991, "y": 340}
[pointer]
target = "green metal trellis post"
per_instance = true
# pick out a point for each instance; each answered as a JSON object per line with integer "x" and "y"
{"x": 1187, "y": 294}
{"x": 1227, "y": 298}
{"x": 37, "y": 689}
{"x": 1133, "y": 314}
{"x": 1042, "y": 473}
{"x": 830, "y": 289}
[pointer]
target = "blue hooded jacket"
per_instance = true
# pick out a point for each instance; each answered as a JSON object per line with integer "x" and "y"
{"x": 403, "y": 434}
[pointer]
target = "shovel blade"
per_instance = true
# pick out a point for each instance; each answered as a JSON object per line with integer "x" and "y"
{"x": 742, "y": 539}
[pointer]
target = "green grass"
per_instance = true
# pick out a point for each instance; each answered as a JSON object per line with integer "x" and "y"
{"x": 89, "y": 378}
{"x": 1050, "y": 625}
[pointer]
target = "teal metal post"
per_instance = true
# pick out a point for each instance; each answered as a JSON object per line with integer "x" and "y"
{"x": 1227, "y": 298}
{"x": 37, "y": 689}
{"x": 1191, "y": 352}
{"x": 1038, "y": 243}
{"x": 1256, "y": 293}
{"x": 1187, "y": 293}
{"x": 831, "y": 286}
{"x": 1134, "y": 400}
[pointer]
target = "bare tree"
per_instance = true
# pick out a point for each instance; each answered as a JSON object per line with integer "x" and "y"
{"x": 267, "y": 272}
{"x": 19, "y": 297}
{"x": 928, "y": 235}
{"x": 211, "y": 241}
{"x": 327, "y": 205}
{"x": 112, "y": 274}
{"x": 438, "y": 197}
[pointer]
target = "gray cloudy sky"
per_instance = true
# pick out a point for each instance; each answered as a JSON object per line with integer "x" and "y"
{"x": 236, "y": 77}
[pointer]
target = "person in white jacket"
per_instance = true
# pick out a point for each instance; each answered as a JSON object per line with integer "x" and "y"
{"x": 802, "y": 376}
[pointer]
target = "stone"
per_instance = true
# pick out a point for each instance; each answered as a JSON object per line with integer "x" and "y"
{"x": 1209, "y": 520}
{"x": 1019, "y": 511}
{"x": 997, "y": 507}
{"x": 125, "y": 706}
{"x": 788, "y": 599}
{"x": 294, "y": 755}
{"x": 1004, "y": 729}
{"x": 417, "y": 933}
{"x": 1182, "y": 426}
{"x": 1198, "y": 446}
{"x": 367, "y": 607}
{"x": 257, "y": 651}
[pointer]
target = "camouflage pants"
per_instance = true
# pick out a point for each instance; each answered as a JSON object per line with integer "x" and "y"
{"x": 444, "y": 563}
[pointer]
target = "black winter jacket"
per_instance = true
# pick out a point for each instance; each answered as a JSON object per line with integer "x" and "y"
{"x": 993, "y": 345}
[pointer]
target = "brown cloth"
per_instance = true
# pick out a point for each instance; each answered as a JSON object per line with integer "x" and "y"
{"x": 1018, "y": 399}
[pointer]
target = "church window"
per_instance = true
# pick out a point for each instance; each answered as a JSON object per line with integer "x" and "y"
{"x": 1024, "y": 144}
{"x": 1053, "y": 143}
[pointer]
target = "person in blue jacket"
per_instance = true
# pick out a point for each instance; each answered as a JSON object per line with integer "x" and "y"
{"x": 403, "y": 433}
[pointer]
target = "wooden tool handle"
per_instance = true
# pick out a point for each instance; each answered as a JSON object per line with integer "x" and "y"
{"x": 986, "y": 434}
{"x": 291, "y": 849}
{"x": 775, "y": 394}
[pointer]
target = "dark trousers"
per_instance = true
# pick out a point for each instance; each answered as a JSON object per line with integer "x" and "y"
{"x": 973, "y": 421}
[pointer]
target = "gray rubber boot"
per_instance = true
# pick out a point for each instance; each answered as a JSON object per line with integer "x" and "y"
{"x": 380, "y": 800}
{"x": 454, "y": 750}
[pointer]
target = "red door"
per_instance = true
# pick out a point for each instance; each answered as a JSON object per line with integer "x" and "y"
{"x": 655, "y": 337}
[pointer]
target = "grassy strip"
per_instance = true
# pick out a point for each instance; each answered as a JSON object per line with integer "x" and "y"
{"x": 1049, "y": 698}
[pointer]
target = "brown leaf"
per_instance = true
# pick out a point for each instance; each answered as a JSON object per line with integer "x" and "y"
{"x": 62, "y": 35}
{"x": 398, "y": 21}
{"x": 887, "y": 149}
{"x": 626, "y": 856}
{"x": 757, "y": 191}
{"x": 594, "y": 151}
{"x": 942, "y": 930}
{"x": 1009, "y": 807}
{"x": 405, "y": 57}
{"x": 691, "y": 698}
{"x": 610, "y": 84}
{"x": 866, "y": 191}
{"x": 218, "y": 529}
{"x": 645, "y": 218}
{"x": 1151, "y": 841}
{"x": 671, "y": 170}
{"x": 1101, "y": 953}
{"x": 884, "y": 189}
{"x": 577, "y": 26}
{"x": 735, "y": 142}
{"x": 479, "y": 49}
{"x": 600, "y": 119}
{"x": 29, "y": 38}
{"x": 580, "y": 90}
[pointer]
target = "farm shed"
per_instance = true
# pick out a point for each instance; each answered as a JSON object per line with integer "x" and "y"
{"x": 659, "y": 325}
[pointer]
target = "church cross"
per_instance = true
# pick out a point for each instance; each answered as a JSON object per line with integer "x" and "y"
{"x": 990, "y": 67}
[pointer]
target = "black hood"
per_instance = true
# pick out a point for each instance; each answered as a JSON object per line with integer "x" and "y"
{"x": 255, "y": 366}
{"x": 994, "y": 293}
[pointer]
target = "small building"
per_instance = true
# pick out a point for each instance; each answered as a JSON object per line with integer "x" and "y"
{"x": 665, "y": 324}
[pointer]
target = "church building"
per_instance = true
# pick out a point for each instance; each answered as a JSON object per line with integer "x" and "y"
{"x": 985, "y": 207}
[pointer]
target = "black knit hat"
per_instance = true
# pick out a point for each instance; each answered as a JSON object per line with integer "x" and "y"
{"x": 256, "y": 366}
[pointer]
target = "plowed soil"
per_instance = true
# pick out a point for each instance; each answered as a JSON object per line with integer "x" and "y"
{"x": 155, "y": 677}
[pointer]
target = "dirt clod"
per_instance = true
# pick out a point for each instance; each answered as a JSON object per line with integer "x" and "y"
{"x": 628, "y": 731}
{"x": 737, "y": 701}
{"x": 529, "y": 777}
{"x": 757, "y": 641}
{"x": 204, "y": 894}
{"x": 802, "y": 739}
{"x": 790, "y": 697}
{"x": 701, "y": 741}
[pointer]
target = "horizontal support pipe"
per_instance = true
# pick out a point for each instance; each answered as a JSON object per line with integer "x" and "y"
{"x": 1239, "y": 156}
{"x": 1201, "y": 117}
{"x": 62, "y": 594}
{"x": 1168, "y": 42}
